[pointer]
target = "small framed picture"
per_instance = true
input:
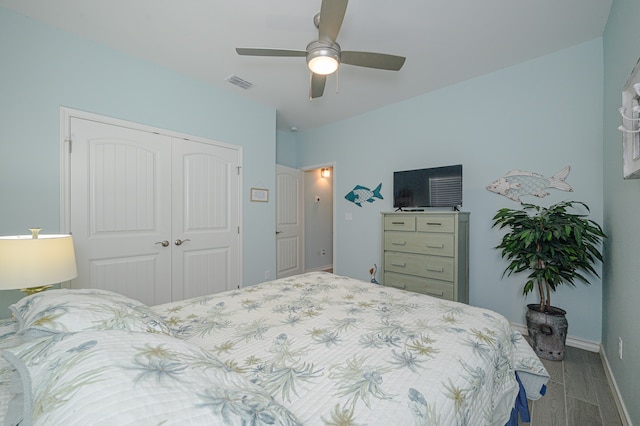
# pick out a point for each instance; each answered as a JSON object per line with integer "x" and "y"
{"x": 260, "y": 194}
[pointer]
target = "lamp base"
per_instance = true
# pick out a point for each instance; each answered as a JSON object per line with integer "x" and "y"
{"x": 34, "y": 290}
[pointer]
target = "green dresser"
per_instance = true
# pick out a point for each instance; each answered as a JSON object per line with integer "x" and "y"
{"x": 427, "y": 252}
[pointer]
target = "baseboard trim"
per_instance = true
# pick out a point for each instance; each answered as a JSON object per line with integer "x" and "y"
{"x": 617, "y": 397}
{"x": 574, "y": 342}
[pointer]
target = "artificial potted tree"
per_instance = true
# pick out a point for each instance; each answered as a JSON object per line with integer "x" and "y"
{"x": 556, "y": 247}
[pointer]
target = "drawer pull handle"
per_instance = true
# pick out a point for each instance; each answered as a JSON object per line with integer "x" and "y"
{"x": 435, "y": 269}
{"x": 403, "y": 265}
{"x": 395, "y": 243}
{"x": 434, "y": 223}
{"x": 435, "y": 245}
{"x": 435, "y": 293}
{"x": 397, "y": 223}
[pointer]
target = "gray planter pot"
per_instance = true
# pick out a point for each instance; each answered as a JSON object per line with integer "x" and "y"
{"x": 547, "y": 331}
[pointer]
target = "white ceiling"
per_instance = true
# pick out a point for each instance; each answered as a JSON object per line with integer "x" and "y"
{"x": 445, "y": 41}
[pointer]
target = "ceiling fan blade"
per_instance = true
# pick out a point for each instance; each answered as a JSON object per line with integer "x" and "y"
{"x": 317, "y": 85}
{"x": 373, "y": 60}
{"x": 331, "y": 16}
{"x": 248, "y": 51}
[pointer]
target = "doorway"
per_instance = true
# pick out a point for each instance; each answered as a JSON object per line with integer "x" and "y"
{"x": 304, "y": 220}
{"x": 319, "y": 218}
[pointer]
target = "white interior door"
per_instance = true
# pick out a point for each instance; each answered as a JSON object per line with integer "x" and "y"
{"x": 121, "y": 209}
{"x": 205, "y": 219}
{"x": 154, "y": 217}
{"x": 289, "y": 222}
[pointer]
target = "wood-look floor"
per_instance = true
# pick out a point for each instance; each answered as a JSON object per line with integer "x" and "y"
{"x": 578, "y": 393}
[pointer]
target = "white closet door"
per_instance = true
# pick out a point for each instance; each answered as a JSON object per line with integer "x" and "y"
{"x": 121, "y": 209}
{"x": 154, "y": 217}
{"x": 205, "y": 218}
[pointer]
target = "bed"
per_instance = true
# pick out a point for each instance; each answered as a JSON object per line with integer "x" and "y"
{"x": 313, "y": 349}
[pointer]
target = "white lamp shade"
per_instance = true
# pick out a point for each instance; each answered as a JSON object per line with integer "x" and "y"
{"x": 27, "y": 262}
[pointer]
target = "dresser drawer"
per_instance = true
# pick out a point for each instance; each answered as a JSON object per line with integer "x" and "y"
{"x": 435, "y": 244}
{"x": 435, "y": 223}
{"x": 435, "y": 288}
{"x": 440, "y": 268}
{"x": 400, "y": 223}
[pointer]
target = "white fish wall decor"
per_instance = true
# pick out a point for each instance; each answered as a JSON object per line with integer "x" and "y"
{"x": 518, "y": 183}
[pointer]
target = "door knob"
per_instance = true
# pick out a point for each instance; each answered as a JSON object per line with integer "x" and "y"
{"x": 179, "y": 242}
{"x": 164, "y": 243}
{"x": 278, "y": 232}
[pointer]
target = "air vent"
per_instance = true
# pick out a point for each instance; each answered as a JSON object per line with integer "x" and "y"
{"x": 234, "y": 79}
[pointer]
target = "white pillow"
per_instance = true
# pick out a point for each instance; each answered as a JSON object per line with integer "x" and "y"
{"x": 117, "y": 377}
{"x": 71, "y": 310}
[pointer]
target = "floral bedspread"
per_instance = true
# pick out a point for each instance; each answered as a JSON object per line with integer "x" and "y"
{"x": 8, "y": 339}
{"x": 338, "y": 351}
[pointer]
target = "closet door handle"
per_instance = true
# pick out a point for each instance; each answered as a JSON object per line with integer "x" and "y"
{"x": 164, "y": 243}
{"x": 179, "y": 242}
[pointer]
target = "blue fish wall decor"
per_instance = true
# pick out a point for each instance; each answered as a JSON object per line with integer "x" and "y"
{"x": 518, "y": 183}
{"x": 360, "y": 194}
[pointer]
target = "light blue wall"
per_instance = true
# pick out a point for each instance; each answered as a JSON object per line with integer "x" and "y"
{"x": 43, "y": 69}
{"x": 538, "y": 116}
{"x": 621, "y": 293}
{"x": 286, "y": 149}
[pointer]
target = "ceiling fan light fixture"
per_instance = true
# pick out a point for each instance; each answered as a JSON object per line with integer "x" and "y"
{"x": 323, "y": 60}
{"x": 324, "y": 55}
{"x": 323, "y": 65}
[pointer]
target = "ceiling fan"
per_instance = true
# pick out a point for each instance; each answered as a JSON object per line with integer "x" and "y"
{"x": 324, "y": 54}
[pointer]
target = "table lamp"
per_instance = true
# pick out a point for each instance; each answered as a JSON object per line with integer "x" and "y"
{"x": 32, "y": 263}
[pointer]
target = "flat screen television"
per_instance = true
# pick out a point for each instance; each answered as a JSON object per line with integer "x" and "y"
{"x": 431, "y": 187}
